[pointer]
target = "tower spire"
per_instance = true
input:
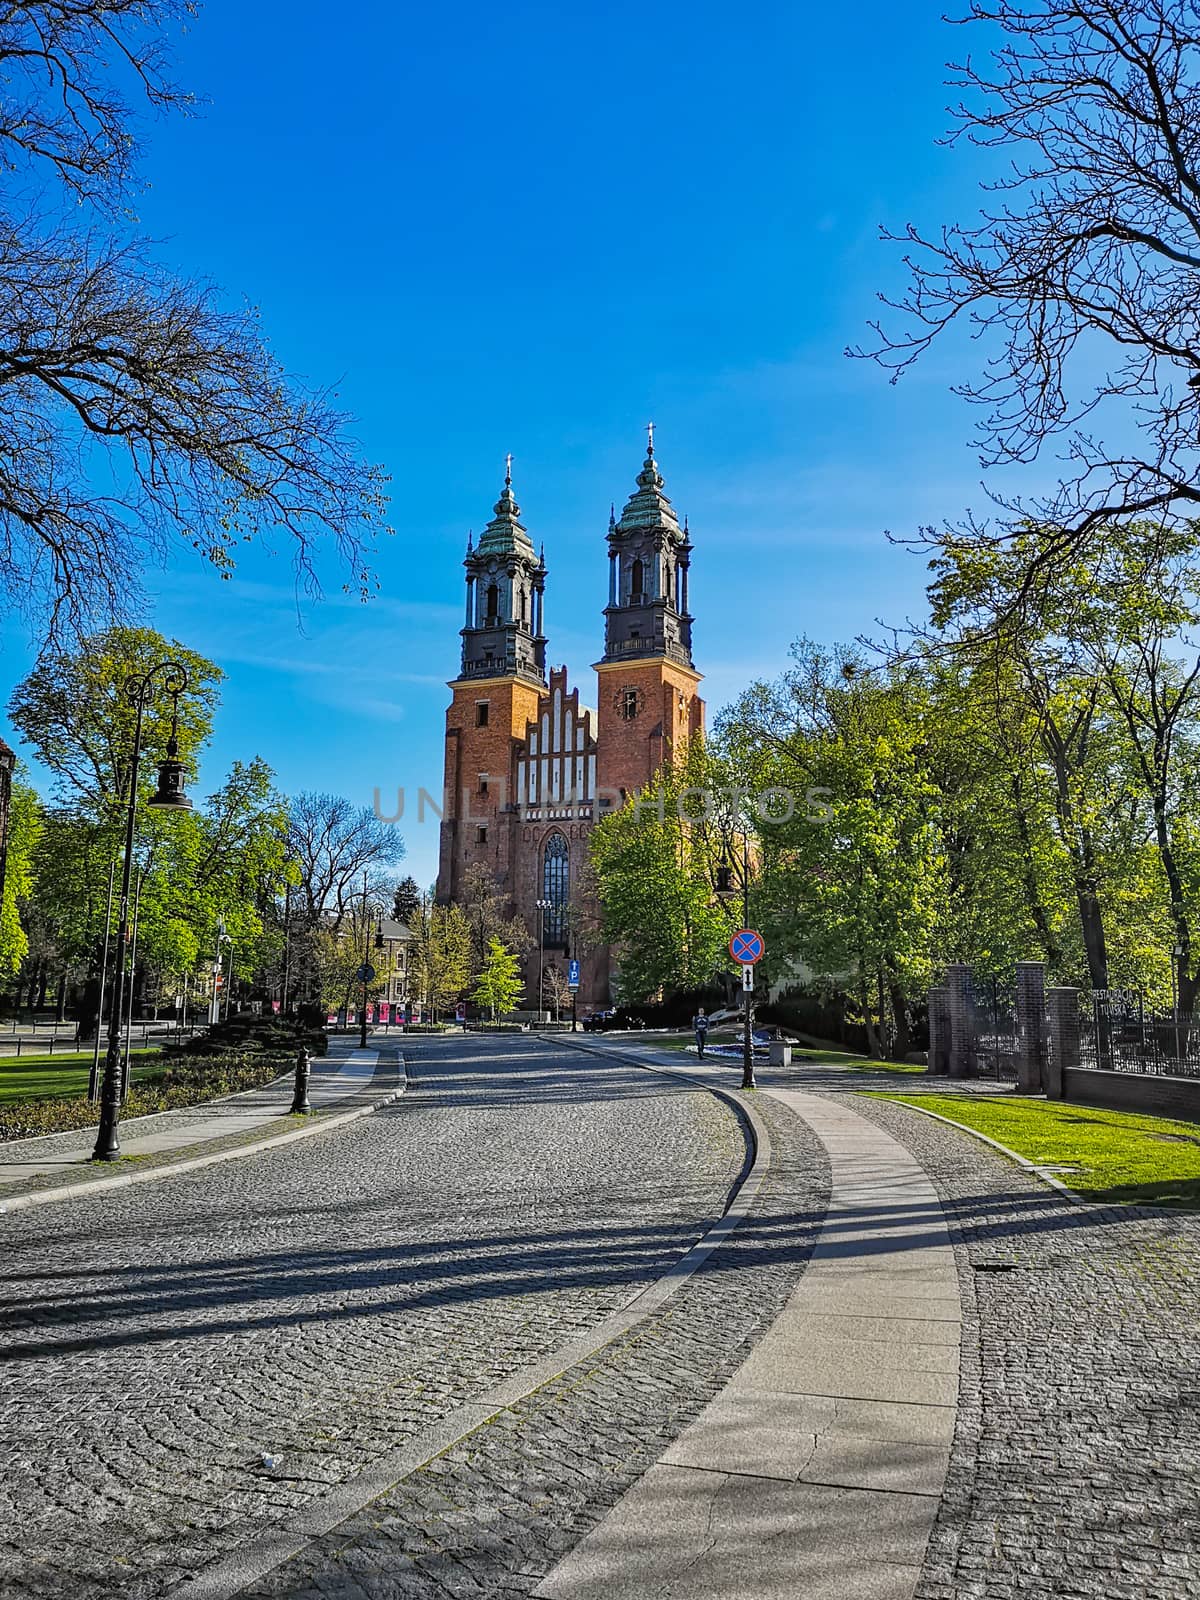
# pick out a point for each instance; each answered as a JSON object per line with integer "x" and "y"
{"x": 648, "y": 556}
{"x": 505, "y": 586}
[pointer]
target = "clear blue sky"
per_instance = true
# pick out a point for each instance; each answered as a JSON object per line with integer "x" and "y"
{"x": 533, "y": 227}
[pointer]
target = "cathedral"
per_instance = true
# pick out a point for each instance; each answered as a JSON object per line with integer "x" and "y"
{"x": 530, "y": 767}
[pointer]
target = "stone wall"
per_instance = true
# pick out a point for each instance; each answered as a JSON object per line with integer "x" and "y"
{"x": 1133, "y": 1091}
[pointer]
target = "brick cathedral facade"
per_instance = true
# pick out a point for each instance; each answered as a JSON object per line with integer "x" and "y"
{"x": 530, "y": 767}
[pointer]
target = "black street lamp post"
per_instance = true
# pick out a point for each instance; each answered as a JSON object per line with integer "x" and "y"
{"x": 726, "y": 891}
{"x": 542, "y": 907}
{"x": 371, "y": 908}
{"x": 287, "y": 950}
{"x": 169, "y": 796}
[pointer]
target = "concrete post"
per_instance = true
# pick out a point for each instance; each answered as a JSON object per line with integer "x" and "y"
{"x": 939, "y": 1032}
{"x": 1063, "y": 1053}
{"x": 1031, "y": 1025}
{"x": 964, "y": 1058}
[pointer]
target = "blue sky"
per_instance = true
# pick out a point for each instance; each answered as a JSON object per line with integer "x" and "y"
{"x": 533, "y": 228}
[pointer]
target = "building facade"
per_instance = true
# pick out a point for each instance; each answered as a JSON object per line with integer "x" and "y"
{"x": 529, "y": 767}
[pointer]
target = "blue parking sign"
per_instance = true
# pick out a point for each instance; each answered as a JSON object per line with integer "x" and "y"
{"x": 572, "y": 974}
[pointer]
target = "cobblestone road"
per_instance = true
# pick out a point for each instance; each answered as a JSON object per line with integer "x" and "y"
{"x": 325, "y": 1302}
{"x": 1076, "y": 1465}
{"x": 493, "y": 1515}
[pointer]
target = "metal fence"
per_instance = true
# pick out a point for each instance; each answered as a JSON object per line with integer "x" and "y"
{"x": 994, "y": 1011}
{"x": 1123, "y": 1035}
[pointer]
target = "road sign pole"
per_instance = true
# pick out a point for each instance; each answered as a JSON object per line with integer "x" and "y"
{"x": 747, "y": 947}
{"x": 748, "y": 1028}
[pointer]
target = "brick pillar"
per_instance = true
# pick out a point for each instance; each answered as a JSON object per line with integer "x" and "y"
{"x": 964, "y": 1060}
{"x": 1031, "y": 1025}
{"x": 1063, "y": 1052}
{"x": 939, "y": 1031}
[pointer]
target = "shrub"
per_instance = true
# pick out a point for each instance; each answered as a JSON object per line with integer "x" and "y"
{"x": 247, "y": 1032}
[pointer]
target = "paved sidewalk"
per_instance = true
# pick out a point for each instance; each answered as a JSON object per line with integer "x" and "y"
{"x": 823, "y": 1461}
{"x": 63, "y": 1158}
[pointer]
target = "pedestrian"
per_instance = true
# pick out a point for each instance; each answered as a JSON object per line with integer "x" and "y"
{"x": 700, "y": 1023}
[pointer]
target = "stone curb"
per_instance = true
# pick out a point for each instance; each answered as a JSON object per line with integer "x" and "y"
{"x": 273, "y": 1546}
{"x": 169, "y": 1169}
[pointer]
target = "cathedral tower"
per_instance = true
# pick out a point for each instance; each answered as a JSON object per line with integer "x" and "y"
{"x": 496, "y": 694}
{"x": 648, "y": 707}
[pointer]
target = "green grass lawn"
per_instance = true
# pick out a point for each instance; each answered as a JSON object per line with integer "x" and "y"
{"x": 836, "y": 1058}
{"x": 1114, "y": 1155}
{"x": 62, "y": 1076}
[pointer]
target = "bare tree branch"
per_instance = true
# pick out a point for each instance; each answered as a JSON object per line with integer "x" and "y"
{"x": 1091, "y": 245}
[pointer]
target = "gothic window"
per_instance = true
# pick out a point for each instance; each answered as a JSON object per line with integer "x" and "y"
{"x": 636, "y": 580}
{"x": 556, "y": 888}
{"x": 493, "y": 603}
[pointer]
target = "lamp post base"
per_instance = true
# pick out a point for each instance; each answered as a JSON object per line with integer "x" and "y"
{"x": 108, "y": 1144}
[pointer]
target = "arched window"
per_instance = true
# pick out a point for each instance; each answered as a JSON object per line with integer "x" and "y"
{"x": 556, "y": 888}
{"x": 493, "y": 603}
{"x": 636, "y": 579}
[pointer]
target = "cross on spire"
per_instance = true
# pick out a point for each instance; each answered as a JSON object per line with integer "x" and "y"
{"x": 649, "y": 438}
{"x": 508, "y": 469}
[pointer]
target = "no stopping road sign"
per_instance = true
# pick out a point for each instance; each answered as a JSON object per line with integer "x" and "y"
{"x": 747, "y": 946}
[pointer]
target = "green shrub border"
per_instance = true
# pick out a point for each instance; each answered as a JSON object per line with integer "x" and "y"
{"x": 186, "y": 1082}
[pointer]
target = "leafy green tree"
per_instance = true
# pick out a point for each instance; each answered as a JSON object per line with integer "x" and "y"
{"x": 854, "y": 887}
{"x": 24, "y": 829}
{"x": 339, "y": 959}
{"x": 74, "y": 710}
{"x": 440, "y": 957}
{"x": 1104, "y": 685}
{"x": 223, "y": 861}
{"x": 653, "y": 866}
{"x": 499, "y": 985}
{"x": 489, "y": 916}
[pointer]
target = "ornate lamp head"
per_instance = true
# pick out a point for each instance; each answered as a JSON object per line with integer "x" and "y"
{"x": 170, "y": 796}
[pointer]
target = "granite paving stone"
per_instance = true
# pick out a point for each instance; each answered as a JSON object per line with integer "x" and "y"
{"x": 323, "y": 1303}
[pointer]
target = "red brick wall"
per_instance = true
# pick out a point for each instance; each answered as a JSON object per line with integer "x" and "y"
{"x": 470, "y": 751}
{"x": 630, "y": 753}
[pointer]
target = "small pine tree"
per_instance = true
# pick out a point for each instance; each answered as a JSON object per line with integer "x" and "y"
{"x": 499, "y": 985}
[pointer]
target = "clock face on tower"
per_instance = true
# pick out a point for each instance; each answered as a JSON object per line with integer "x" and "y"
{"x": 628, "y": 703}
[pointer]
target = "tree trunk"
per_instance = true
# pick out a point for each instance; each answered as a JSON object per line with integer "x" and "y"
{"x": 1091, "y": 922}
{"x": 903, "y": 1042}
{"x": 89, "y": 1010}
{"x": 1033, "y": 899}
{"x": 874, "y": 1048}
{"x": 1077, "y": 840}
